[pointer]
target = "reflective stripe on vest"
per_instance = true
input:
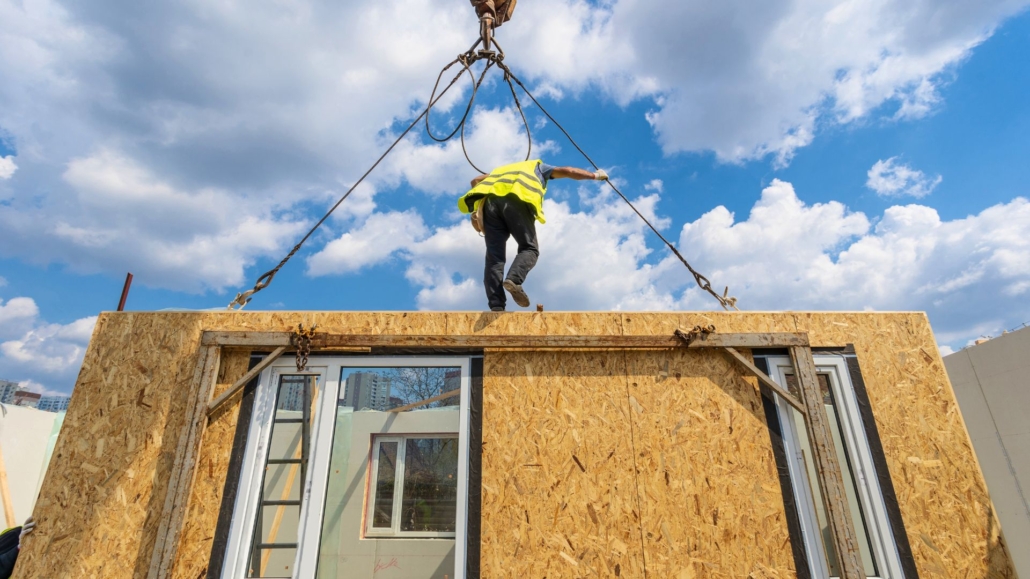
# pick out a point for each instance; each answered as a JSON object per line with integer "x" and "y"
{"x": 518, "y": 178}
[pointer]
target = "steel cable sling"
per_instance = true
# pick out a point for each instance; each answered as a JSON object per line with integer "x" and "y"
{"x": 467, "y": 60}
{"x": 725, "y": 300}
{"x": 492, "y": 58}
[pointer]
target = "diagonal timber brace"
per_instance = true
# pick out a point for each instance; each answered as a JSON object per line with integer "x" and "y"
{"x": 842, "y": 528}
{"x": 765, "y": 380}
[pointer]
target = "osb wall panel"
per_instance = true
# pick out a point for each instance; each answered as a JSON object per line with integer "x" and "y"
{"x": 99, "y": 507}
{"x": 943, "y": 499}
{"x": 100, "y": 501}
{"x": 928, "y": 449}
{"x": 559, "y": 492}
{"x": 710, "y": 496}
{"x": 564, "y": 434}
{"x": 206, "y": 496}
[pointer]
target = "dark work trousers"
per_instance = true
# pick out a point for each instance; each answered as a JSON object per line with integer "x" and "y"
{"x": 505, "y": 217}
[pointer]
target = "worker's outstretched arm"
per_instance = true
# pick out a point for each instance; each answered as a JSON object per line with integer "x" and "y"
{"x": 578, "y": 174}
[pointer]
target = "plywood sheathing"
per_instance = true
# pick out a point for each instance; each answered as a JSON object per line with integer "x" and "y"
{"x": 710, "y": 495}
{"x": 576, "y": 426}
{"x": 101, "y": 497}
{"x": 98, "y": 507}
{"x": 558, "y": 477}
{"x": 206, "y": 496}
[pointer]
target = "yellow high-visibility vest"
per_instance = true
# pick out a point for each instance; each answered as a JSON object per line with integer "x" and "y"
{"x": 518, "y": 178}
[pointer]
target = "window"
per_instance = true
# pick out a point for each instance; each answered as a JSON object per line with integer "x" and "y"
{"x": 414, "y": 487}
{"x": 355, "y": 467}
{"x": 878, "y": 553}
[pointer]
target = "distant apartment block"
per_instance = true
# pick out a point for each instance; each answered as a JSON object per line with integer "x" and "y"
{"x": 54, "y": 403}
{"x": 12, "y": 393}
{"x": 367, "y": 390}
{"x": 7, "y": 390}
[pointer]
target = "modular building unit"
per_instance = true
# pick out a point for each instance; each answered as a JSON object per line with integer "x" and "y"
{"x": 992, "y": 383}
{"x": 468, "y": 444}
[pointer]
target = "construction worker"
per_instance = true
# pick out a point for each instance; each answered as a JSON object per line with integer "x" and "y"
{"x": 504, "y": 204}
{"x": 10, "y": 545}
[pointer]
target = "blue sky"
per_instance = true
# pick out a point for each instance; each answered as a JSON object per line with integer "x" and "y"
{"x": 810, "y": 155}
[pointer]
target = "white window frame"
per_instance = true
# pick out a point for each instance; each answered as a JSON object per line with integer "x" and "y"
{"x": 870, "y": 494}
{"x": 328, "y": 370}
{"x": 248, "y": 496}
{"x": 398, "y": 488}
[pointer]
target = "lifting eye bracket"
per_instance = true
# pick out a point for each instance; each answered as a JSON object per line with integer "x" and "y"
{"x": 698, "y": 333}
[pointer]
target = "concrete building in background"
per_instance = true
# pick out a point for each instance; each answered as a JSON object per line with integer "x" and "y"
{"x": 26, "y": 398}
{"x": 7, "y": 390}
{"x": 367, "y": 390}
{"x": 53, "y": 403}
{"x": 12, "y": 393}
{"x": 992, "y": 384}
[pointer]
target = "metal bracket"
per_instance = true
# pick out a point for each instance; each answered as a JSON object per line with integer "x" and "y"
{"x": 698, "y": 333}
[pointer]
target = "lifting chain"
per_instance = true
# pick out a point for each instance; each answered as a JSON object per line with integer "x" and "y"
{"x": 301, "y": 340}
{"x": 698, "y": 333}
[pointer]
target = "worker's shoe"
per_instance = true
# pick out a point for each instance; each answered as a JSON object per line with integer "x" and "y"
{"x": 516, "y": 292}
{"x": 497, "y": 309}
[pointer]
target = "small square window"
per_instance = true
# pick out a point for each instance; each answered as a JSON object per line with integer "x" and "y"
{"x": 414, "y": 487}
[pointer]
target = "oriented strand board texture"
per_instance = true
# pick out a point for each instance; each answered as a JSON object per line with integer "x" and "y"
{"x": 944, "y": 503}
{"x": 102, "y": 497}
{"x": 206, "y": 495}
{"x": 567, "y": 432}
{"x": 558, "y": 477}
{"x": 710, "y": 495}
{"x": 99, "y": 503}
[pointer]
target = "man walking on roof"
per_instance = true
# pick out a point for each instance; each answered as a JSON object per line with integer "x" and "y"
{"x": 504, "y": 204}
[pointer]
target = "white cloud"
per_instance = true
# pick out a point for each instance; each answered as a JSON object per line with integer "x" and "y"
{"x": 892, "y": 179}
{"x": 572, "y": 273}
{"x": 238, "y": 120}
{"x": 46, "y": 356}
{"x": 971, "y": 275}
{"x": 33, "y": 386}
{"x": 3, "y": 281}
{"x": 181, "y": 141}
{"x": 7, "y": 167}
{"x": 117, "y": 215}
{"x": 17, "y": 316}
{"x": 908, "y": 256}
{"x": 494, "y": 137}
{"x": 746, "y": 79}
{"x": 381, "y": 235}
{"x": 656, "y": 185}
